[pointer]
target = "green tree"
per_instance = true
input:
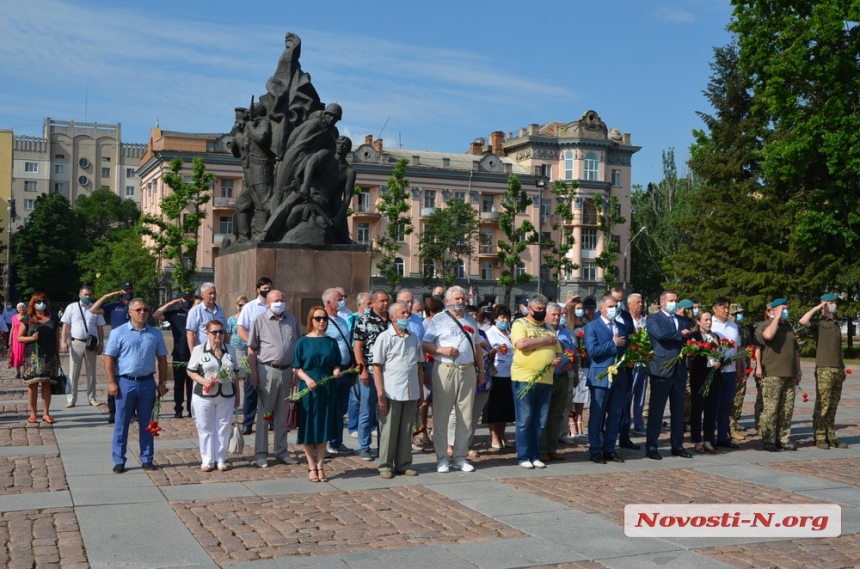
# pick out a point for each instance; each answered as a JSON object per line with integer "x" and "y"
{"x": 448, "y": 238}
{"x": 44, "y": 252}
{"x": 122, "y": 257}
{"x": 517, "y": 237}
{"x": 176, "y": 230}
{"x": 103, "y": 212}
{"x": 555, "y": 256}
{"x": 608, "y": 216}
{"x": 393, "y": 205}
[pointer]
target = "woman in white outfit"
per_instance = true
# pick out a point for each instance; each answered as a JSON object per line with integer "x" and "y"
{"x": 213, "y": 366}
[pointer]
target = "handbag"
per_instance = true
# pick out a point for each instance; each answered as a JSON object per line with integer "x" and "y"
{"x": 60, "y": 384}
{"x": 92, "y": 341}
{"x": 237, "y": 439}
{"x": 293, "y": 408}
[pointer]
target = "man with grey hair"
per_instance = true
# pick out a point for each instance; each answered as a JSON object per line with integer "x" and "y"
{"x": 452, "y": 339}
{"x": 560, "y": 384}
{"x": 416, "y": 323}
{"x": 338, "y": 331}
{"x": 199, "y": 316}
{"x": 80, "y": 325}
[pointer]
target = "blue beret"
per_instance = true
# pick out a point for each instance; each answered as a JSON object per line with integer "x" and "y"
{"x": 829, "y": 297}
{"x": 778, "y": 302}
{"x": 685, "y": 303}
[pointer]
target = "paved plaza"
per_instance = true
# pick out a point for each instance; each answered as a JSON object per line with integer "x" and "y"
{"x": 60, "y": 505}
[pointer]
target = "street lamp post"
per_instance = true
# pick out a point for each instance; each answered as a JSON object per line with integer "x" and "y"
{"x": 7, "y": 271}
{"x": 629, "y": 243}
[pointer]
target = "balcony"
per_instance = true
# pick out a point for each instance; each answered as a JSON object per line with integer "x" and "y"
{"x": 487, "y": 251}
{"x": 364, "y": 210}
{"x": 427, "y": 211}
{"x": 224, "y": 203}
{"x": 490, "y": 216}
{"x": 217, "y": 238}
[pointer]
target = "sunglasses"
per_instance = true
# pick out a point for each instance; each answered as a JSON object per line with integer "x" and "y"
{"x": 320, "y": 318}
{"x": 144, "y": 310}
{"x": 241, "y": 306}
{"x": 216, "y": 332}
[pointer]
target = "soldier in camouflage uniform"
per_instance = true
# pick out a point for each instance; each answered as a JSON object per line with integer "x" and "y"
{"x": 829, "y": 371}
{"x": 781, "y": 375}
{"x": 746, "y": 333}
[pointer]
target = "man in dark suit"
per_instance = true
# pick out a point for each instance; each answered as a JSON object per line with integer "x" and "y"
{"x": 605, "y": 340}
{"x": 667, "y": 332}
{"x": 623, "y": 317}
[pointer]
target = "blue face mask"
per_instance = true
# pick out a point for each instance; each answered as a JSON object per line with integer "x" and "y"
{"x": 563, "y": 321}
{"x": 739, "y": 317}
{"x": 525, "y": 311}
{"x": 186, "y": 304}
{"x": 403, "y": 323}
{"x": 784, "y": 315}
{"x": 366, "y": 311}
{"x": 671, "y": 307}
{"x": 611, "y": 312}
{"x": 85, "y": 300}
{"x": 127, "y": 295}
{"x": 695, "y": 312}
{"x": 502, "y": 324}
{"x": 341, "y": 304}
{"x": 579, "y": 313}
{"x": 40, "y": 306}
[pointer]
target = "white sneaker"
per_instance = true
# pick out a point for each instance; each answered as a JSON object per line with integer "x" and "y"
{"x": 442, "y": 466}
{"x": 463, "y": 466}
{"x": 69, "y": 404}
{"x": 527, "y": 464}
{"x": 94, "y": 403}
{"x": 538, "y": 464}
{"x": 287, "y": 459}
{"x": 354, "y": 434}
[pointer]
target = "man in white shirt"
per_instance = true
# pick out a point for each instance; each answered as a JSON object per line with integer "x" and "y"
{"x": 416, "y": 323}
{"x": 79, "y": 324}
{"x": 252, "y": 309}
{"x": 725, "y": 328}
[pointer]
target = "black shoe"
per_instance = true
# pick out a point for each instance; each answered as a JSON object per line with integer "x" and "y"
{"x": 149, "y": 466}
{"x": 629, "y": 444}
{"x": 788, "y": 446}
{"x": 682, "y": 453}
{"x": 771, "y": 448}
{"x": 189, "y": 414}
{"x": 612, "y": 457}
{"x": 111, "y": 420}
{"x": 246, "y": 431}
{"x": 118, "y": 468}
{"x": 598, "y": 459}
{"x": 727, "y": 444}
{"x": 177, "y": 415}
{"x": 653, "y": 455}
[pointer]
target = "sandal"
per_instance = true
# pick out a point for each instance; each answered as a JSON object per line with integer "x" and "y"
{"x": 313, "y": 478}
{"x": 48, "y": 419}
{"x": 32, "y": 419}
{"x": 206, "y": 468}
{"x": 322, "y": 477}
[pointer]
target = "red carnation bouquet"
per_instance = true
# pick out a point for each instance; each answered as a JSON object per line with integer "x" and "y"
{"x": 356, "y": 370}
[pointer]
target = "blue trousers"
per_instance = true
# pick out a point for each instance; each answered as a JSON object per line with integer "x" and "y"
{"x": 673, "y": 390}
{"x": 724, "y": 410}
{"x": 531, "y": 411}
{"x": 344, "y": 386}
{"x": 133, "y": 396}
{"x": 604, "y": 415}
{"x": 367, "y": 413}
{"x": 353, "y": 406}
{"x": 249, "y": 405}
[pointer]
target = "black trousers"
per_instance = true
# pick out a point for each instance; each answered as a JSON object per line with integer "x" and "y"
{"x": 673, "y": 390}
{"x": 182, "y": 388}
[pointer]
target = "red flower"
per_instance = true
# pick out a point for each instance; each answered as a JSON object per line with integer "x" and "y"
{"x": 581, "y": 334}
{"x": 805, "y": 398}
{"x": 268, "y": 417}
{"x": 429, "y": 358}
{"x": 503, "y": 349}
{"x": 749, "y": 370}
{"x": 848, "y": 371}
{"x": 569, "y": 353}
{"x": 469, "y": 329}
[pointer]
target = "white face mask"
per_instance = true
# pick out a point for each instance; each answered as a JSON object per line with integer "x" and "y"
{"x": 278, "y": 307}
{"x": 831, "y": 308}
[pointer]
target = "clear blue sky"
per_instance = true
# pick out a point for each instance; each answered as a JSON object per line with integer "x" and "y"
{"x": 440, "y": 73}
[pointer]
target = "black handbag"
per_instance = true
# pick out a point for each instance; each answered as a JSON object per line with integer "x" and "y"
{"x": 60, "y": 384}
{"x": 92, "y": 341}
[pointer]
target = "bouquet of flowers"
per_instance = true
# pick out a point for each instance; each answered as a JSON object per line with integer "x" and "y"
{"x": 725, "y": 346}
{"x": 153, "y": 426}
{"x": 639, "y": 348}
{"x": 298, "y": 395}
{"x": 580, "y": 345}
{"x": 531, "y": 383}
{"x": 691, "y": 348}
{"x": 612, "y": 370}
{"x": 502, "y": 349}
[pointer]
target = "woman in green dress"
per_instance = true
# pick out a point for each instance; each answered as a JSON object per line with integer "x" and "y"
{"x": 39, "y": 331}
{"x": 317, "y": 356}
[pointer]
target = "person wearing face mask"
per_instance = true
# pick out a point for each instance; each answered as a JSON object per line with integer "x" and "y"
{"x": 780, "y": 361}
{"x": 581, "y": 393}
{"x": 366, "y": 331}
{"x": 250, "y": 312}
{"x": 16, "y": 348}
{"x": 439, "y": 293}
{"x": 416, "y": 323}
{"x": 338, "y": 330}
{"x": 116, "y": 313}
{"x": 829, "y": 370}
{"x": 8, "y": 314}
{"x": 398, "y": 374}
{"x": 82, "y": 324}
{"x": 271, "y": 345}
{"x": 747, "y": 334}
{"x": 500, "y": 405}
{"x": 40, "y": 334}
{"x": 175, "y": 312}
{"x": 623, "y": 317}
{"x": 363, "y": 308}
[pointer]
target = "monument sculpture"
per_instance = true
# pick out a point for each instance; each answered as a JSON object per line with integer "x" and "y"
{"x": 298, "y": 183}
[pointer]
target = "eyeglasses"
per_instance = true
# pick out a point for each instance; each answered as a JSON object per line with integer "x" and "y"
{"x": 216, "y": 332}
{"x": 320, "y": 318}
{"x": 144, "y": 310}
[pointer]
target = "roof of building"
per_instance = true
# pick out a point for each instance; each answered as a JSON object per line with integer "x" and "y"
{"x": 430, "y": 159}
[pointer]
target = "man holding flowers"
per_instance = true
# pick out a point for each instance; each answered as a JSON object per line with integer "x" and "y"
{"x": 725, "y": 329}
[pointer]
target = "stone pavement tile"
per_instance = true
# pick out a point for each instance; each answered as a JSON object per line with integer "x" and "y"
{"x": 15, "y": 411}
{"x": 147, "y": 535}
{"x": 41, "y": 538}
{"x": 29, "y": 450}
{"x": 843, "y": 551}
{"x": 774, "y": 474}
{"x": 39, "y": 473}
{"x": 208, "y": 491}
{"x": 130, "y": 479}
{"x": 245, "y": 529}
{"x": 112, "y": 495}
{"x": 35, "y": 501}
{"x": 298, "y": 562}
{"x": 519, "y": 503}
{"x": 847, "y": 496}
{"x": 26, "y": 434}
{"x": 668, "y": 560}
{"x": 842, "y": 471}
{"x": 266, "y": 487}
{"x": 431, "y": 557}
{"x": 510, "y": 553}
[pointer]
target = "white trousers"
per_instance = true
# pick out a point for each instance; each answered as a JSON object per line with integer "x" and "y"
{"x": 78, "y": 355}
{"x": 213, "y": 416}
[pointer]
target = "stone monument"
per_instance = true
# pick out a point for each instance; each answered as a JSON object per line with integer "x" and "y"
{"x": 291, "y": 216}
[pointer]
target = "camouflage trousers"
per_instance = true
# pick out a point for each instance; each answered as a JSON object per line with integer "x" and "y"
{"x": 777, "y": 409}
{"x": 828, "y": 392}
{"x": 759, "y": 402}
{"x": 738, "y": 405}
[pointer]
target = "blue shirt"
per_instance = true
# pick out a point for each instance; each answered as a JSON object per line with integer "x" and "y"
{"x": 117, "y": 312}
{"x": 416, "y": 326}
{"x": 566, "y": 341}
{"x": 199, "y": 316}
{"x": 338, "y": 330}
{"x": 135, "y": 350}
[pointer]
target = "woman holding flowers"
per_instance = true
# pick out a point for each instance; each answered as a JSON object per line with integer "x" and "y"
{"x": 704, "y": 393}
{"x": 536, "y": 353}
{"x": 500, "y": 406}
{"x": 317, "y": 357}
{"x": 39, "y": 331}
{"x": 212, "y": 367}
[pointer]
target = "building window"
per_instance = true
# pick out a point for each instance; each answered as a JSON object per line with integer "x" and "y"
{"x": 129, "y": 172}
{"x": 226, "y": 188}
{"x": 589, "y": 271}
{"x": 59, "y": 187}
{"x": 460, "y": 269}
{"x": 545, "y": 208}
{"x": 520, "y": 269}
{"x": 616, "y": 177}
{"x": 59, "y": 168}
{"x": 363, "y": 202}
{"x": 26, "y": 221}
{"x": 31, "y": 186}
{"x": 225, "y": 224}
{"x": 589, "y": 239}
{"x": 364, "y": 233}
{"x": 129, "y": 191}
{"x": 545, "y": 238}
{"x": 545, "y": 273}
{"x": 488, "y": 204}
{"x": 400, "y": 236}
{"x": 487, "y": 271}
{"x": 399, "y": 266}
{"x": 29, "y": 205}
{"x": 60, "y": 156}
{"x": 429, "y": 269}
{"x": 460, "y": 196}
{"x": 589, "y": 213}
{"x": 31, "y": 166}
{"x": 592, "y": 165}
{"x": 105, "y": 172}
{"x": 429, "y": 198}
{"x": 568, "y": 165}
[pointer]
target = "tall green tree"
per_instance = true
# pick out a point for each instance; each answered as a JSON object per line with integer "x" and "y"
{"x": 394, "y": 206}
{"x": 176, "y": 230}
{"x": 44, "y": 252}
{"x": 121, "y": 257}
{"x": 448, "y": 239}
{"x": 557, "y": 249}
{"x": 517, "y": 237}
{"x": 608, "y": 216}
{"x": 104, "y": 212}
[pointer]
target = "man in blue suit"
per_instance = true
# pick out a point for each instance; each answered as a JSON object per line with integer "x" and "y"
{"x": 668, "y": 333}
{"x": 605, "y": 340}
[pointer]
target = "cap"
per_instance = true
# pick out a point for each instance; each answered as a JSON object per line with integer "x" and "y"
{"x": 778, "y": 302}
{"x": 735, "y": 308}
{"x": 829, "y": 297}
{"x": 126, "y": 285}
{"x": 187, "y": 293}
{"x": 685, "y": 303}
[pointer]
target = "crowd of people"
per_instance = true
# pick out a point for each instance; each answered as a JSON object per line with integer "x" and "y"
{"x": 391, "y": 362}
